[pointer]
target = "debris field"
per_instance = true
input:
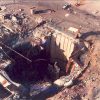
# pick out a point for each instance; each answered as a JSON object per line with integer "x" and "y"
{"x": 49, "y": 53}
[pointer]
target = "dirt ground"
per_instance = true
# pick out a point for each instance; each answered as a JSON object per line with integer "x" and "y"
{"x": 91, "y": 6}
{"x": 87, "y": 86}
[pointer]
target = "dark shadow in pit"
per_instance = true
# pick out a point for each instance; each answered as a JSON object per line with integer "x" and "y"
{"x": 25, "y": 73}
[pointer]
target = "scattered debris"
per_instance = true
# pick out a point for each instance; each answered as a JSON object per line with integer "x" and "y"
{"x": 66, "y": 6}
{"x": 26, "y": 56}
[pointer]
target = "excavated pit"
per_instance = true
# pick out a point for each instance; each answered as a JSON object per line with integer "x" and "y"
{"x": 22, "y": 71}
{"x": 40, "y": 63}
{"x": 42, "y": 66}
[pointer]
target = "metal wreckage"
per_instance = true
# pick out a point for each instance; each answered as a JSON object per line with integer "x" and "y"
{"x": 30, "y": 54}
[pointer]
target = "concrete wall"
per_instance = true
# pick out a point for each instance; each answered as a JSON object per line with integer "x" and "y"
{"x": 62, "y": 46}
